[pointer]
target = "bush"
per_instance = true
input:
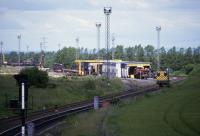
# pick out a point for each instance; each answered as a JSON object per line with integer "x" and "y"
{"x": 181, "y": 72}
{"x": 195, "y": 71}
{"x": 188, "y": 68}
{"x": 36, "y": 77}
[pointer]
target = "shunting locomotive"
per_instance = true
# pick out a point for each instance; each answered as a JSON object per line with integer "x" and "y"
{"x": 162, "y": 78}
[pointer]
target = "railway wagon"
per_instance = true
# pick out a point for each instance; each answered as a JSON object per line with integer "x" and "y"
{"x": 57, "y": 67}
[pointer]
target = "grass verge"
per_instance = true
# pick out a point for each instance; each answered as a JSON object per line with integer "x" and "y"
{"x": 173, "y": 112}
{"x": 59, "y": 92}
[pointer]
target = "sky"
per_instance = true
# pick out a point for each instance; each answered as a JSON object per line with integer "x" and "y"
{"x": 131, "y": 22}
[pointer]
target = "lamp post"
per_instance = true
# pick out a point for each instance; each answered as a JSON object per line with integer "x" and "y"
{"x": 107, "y": 12}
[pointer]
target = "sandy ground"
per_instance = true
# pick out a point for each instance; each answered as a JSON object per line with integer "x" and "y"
{"x": 56, "y": 74}
{"x": 138, "y": 83}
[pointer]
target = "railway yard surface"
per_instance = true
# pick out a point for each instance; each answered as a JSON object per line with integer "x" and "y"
{"x": 139, "y": 82}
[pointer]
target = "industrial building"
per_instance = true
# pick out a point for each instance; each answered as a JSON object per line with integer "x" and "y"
{"x": 115, "y": 68}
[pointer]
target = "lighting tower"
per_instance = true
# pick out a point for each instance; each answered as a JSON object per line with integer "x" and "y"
{"x": 42, "y": 55}
{"x": 107, "y": 12}
{"x": 27, "y": 49}
{"x": 158, "y": 29}
{"x": 1, "y": 53}
{"x": 59, "y": 46}
{"x": 98, "y": 25}
{"x": 113, "y": 46}
{"x": 41, "y": 46}
{"x": 44, "y": 43}
{"x": 19, "y": 42}
{"x": 77, "y": 48}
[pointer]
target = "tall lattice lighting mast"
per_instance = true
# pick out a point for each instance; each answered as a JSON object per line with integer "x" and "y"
{"x": 113, "y": 46}
{"x": 59, "y": 46}
{"x": 27, "y": 49}
{"x": 19, "y": 47}
{"x": 98, "y": 25}
{"x": 107, "y": 12}
{"x": 77, "y": 48}
{"x": 158, "y": 29}
{"x": 1, "y": 53}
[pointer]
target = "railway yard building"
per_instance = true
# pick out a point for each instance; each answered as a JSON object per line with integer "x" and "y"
{"x": 115, "y": 68}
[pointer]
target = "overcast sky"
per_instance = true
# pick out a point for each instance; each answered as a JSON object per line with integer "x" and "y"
{"x": 132, "y": 22}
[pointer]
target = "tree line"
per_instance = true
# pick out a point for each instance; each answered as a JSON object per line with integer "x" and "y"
{"x": 176, "y": 59}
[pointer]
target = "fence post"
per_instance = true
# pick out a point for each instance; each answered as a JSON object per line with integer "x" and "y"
{"x": 96, "y": 102}
{"x": 30, "y": 128}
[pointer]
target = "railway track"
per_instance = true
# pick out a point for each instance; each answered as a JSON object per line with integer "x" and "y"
{"x": 43, "y": 119}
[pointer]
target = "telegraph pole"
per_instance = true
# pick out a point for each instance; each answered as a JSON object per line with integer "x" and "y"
{"x": 19, "y": 43}
{"x": 98, "y": 25}
{"x": 158, "y": 29}
{"x": 113, "y": 46}
{"x": 107, "y": 12}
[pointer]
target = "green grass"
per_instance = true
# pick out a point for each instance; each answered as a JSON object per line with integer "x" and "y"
{"x": 7, "y": 86}
{"x": 85, "y": 124}
{"x": 66, "y": 91}
{"x": 173, "y": 112}
{"x": 178, "y": 73}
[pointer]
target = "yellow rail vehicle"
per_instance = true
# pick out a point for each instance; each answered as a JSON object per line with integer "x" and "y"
{"x": 162, "y": 78}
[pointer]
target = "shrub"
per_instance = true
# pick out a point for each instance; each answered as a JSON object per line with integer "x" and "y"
{"x": 188, "y": 68}
{"x": 36, "y": 77}
{"x": 195, "y": 71}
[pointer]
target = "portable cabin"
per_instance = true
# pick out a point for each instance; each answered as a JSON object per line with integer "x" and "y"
{"x": 115, "y": 69}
